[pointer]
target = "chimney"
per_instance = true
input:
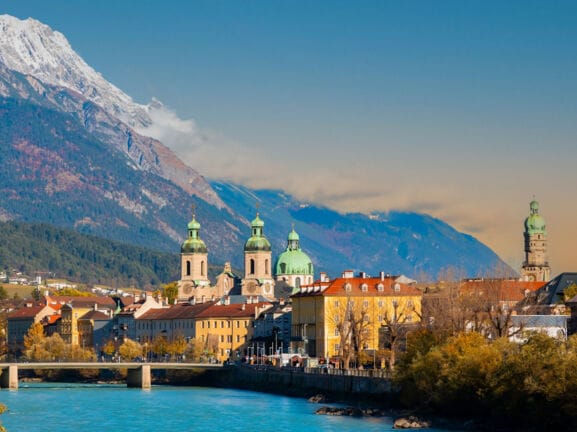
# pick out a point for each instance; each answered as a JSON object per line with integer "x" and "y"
{"x": 324, "y": 277}
{"x": 243, "y": 307}
{"x": 348, "y": 274}
{"x": 382, "y": 275}
{"x": 362, "y": 275}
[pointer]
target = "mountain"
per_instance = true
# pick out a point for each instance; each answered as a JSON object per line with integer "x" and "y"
{"x": 74, "y": 153}
{"x": 82, "y": 258}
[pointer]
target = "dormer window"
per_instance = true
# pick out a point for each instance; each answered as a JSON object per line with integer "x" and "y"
{"x": 397, "y": 287}
{"x": 364, "y": 287}
{"x": 348, "y": 287}
{"x": 380, "y": 287}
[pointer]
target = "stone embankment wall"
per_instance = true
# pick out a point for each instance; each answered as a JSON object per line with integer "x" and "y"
{"x": 334, "y": 384}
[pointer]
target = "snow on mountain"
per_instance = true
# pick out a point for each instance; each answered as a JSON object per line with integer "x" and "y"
{"x": 33, "y": 49}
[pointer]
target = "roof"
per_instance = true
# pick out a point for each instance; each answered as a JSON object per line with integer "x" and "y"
{"x": 95, "y": 316}
{"x": 27, "y": 312}
{"x": 509, "y": 290}
{"x": 177, "y": 311}
{"x": 80, "y": 301}
{"x": 532, "y": 321}
{"x": 360, "y": 287}
{"x": 233, "y": 310}
{"x": 551, "y": 293}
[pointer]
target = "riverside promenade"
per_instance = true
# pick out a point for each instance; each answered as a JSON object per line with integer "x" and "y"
{"x": 138, "y": 374}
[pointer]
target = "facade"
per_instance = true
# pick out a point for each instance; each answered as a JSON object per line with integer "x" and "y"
{"x": 258, "y": 278}
{"x": 319, "y": 310}
{"x": 20, "y": 321}
{"x": 226, "y": 329}
{"x": 293, "y": 266}
{"x": 194, "y": 264}
{"x": 536, "y": 266}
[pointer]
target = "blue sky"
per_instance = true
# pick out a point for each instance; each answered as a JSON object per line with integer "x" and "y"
{"x": 463, "y": 110}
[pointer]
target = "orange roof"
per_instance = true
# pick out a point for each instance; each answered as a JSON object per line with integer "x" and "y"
{"x": 504, "y": 289}
{"x": 359, "y": 287}
{"x": 177, "y": 311}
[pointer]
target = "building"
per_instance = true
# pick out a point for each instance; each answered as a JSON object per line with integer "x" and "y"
{"x": 258, "y": 279}
{"x": 20, "y": 321}
{"x": 323, "y": 309}
{"x": 536, "y": 266}
{"x": 226, "y": 329}
{"x": 293, "y": 266}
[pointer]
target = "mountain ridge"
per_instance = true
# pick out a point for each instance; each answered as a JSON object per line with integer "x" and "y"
{"x": 69, "y": 161}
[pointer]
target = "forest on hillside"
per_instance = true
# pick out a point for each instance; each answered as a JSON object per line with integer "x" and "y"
{"x": 31, "y": 248}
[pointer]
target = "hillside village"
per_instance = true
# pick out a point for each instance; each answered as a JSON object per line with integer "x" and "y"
{"x": 282, "y": 313}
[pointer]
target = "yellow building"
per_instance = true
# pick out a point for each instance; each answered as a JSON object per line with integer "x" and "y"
{"x": 330, "y": 313}
{"x": 226, "y": 329}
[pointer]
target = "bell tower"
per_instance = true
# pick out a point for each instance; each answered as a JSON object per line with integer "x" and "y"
{"x": 535, "y": 267}
{"x": 193, "y": 262}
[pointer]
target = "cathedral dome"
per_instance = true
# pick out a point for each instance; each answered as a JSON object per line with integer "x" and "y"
{"x": 257, "y": 242}
{"x": 193, "y": 243}
{"x": 293, "y": 261}
{"x": 535, "y": 223}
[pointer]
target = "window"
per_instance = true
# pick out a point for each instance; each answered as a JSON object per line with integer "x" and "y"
{"x": 380, "y": 287}
{"x": 380, "y": 318}
{"x": 397, "y": 287}
{"x": 337, "y": 303}
{"x": 348, "y": 287}
{"x": 202, "y": 268}
{"x": 380, "y": 303}
{"x": 365, "y": 304}
{"x": 364, "y": 287}
{"x": 251, "y": 266}
{"x": 337, "y": 332}
{"x": 337, "y": 347}
{"x": 266, "y": 266}
{"x": 366, "y": 318}
{"x": 237, "y": 338}
{"x": 188, "y": 268}
{"x": 222, "y": 324}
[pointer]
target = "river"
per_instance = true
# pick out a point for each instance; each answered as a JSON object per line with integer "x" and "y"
{"x": 96, "y": 408}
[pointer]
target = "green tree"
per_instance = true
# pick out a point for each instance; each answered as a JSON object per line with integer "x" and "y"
{"x": 3, "y": 293}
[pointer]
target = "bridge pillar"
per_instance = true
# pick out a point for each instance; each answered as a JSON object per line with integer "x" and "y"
{"x": 9, "y": 377}
{"x": 139, "y": 377}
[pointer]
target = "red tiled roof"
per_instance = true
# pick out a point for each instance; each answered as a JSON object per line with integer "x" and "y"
{"x": 337, "y": 287}
{"x": 510, "y": 290}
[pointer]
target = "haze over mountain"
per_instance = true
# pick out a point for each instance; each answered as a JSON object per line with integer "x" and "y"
{"x": 76, "y": 152}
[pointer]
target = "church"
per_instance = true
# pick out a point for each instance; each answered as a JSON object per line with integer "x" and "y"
{"x": 293, "y": 267}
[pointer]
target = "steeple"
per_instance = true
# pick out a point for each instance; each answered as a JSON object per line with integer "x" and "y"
{"x": 535, "y": 266}
{"x": 193, "y": 261}
{"x": 257, "y": 262}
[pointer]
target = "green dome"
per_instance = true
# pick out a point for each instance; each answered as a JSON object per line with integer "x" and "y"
{"x": 257, "y": 242}
{"x": 293, "y": 236}
{"x": 193, "y": 243}
{"x": 294, "y": 262}
{"x": 535, "y": 223}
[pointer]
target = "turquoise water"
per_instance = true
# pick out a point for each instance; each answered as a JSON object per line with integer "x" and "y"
{"x": 111, "y": 408}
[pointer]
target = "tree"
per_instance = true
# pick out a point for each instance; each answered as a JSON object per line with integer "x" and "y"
{"x": 394, "y": 329}
{"x": 130, "y": 350}
{"x": 3, "y": 293}
{"x": 177, "y": 346}
{"x": 170, "y": 292}
{"x": 34, "y": 341}
{"x": 159, "y": 345}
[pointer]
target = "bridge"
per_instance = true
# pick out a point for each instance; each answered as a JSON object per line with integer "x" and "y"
{"x": 138, "y": 374}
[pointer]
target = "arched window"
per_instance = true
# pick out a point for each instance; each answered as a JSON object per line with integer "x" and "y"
{"x": 380, "y": 287}
{"x": 298, "y": 282}
{"x": 364, "y": 287}
{"x": 251, "y": 266}
{"x": 188, "y": 268}
{"x": 202, "y": 268}
{"x": 266, "y": 266}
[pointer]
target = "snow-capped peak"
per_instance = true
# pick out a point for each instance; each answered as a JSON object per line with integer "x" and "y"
{"x": 33, "y": 48}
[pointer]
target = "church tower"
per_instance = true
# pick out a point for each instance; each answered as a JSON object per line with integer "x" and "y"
{"x": 258, "y": 278}
{"x": 193, "y": 262}
{"x": 293, "y": 265}
{"x": 535, "y": 267}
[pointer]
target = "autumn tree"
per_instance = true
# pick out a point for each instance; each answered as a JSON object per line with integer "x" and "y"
{"x": 130, "y": 349}
{"x": 177, "y": 346}
{"x": 170, "y": 292}
{"x": 394, "y": 328}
